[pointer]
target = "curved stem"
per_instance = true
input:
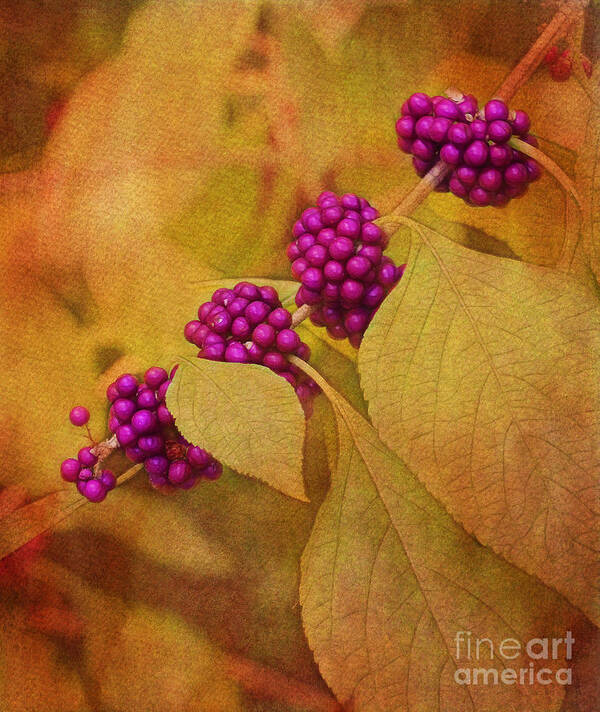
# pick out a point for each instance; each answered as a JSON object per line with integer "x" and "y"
{"x": 549, "y": 165}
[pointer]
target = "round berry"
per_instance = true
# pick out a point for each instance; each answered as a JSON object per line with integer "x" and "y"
{"x": 69, "y": 469}
{"x": 447, "y": 109}
{"x": 459, "y": 134}
{"x": 423, "y": 127}
{"x": 86, "y": 457}
{"x": 197, "y": 457}
{"x": 476, "y": 153}
{"x": 499, "y": 131}
{"x": 155, "y": 376}
{"x": 79, "y": 415}
{"x": 126, "y": 435}
{"x": 150, "y": 444}
{"x": 439, "y": 129}
{"x": 126, "y": 385}
{"x": 240, "y": 328}
{"x": 143, "y": 421}
{"x": 312, "y": 278}
{"x": 264, "y": 335}
{"x": 419, "y": 104}
{"x": 287, "y": 341}
{"x": 108, "y": 480}
{"x": 280, "y": 318}
{"x": 213, "y": 471}
{"x": 496, "y": 110}
{"x": 236, "y": 353}
{"x": 451, "y": 154}
{"x": 479, "y": 196}
{"x": 94, "y": 491}
{"x": 457, "y": 188}
{"x": 521, "y": 123}
{"x": 256, "y": 312}
{"x": 405, "y": 126}
{"x": 156, "y": 465}
{"x": 467, "y": 175}
{"x": 515, "y": 174}
{"x": 490, "y": 179}
{"x": 124, "y": 408}
{"x": 479, "y": 129}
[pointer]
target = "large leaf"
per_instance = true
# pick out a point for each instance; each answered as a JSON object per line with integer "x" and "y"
{"x": 481, "y": 373}
{"x": 587, "y": 173}
{"x": 246, "y": 415}
{"x": 388, "y": 578}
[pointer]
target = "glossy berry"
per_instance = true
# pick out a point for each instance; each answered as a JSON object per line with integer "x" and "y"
{"x": 79, "y": 416}
{"x": 353, "y": 277}
{"x": 69, "y": 469}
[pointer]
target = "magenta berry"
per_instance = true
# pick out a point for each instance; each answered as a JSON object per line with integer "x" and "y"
{"x": 419, "y": 104}
{"x": 79, "y": 416}
{"x": 69, "y": 469}
{"x": 495, "y": 110}
{"x": 86, "y": 457}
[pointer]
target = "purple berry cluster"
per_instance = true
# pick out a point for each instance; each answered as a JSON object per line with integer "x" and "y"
{"x": 93, "y": 487}
{"x": 473, "y": 142}
{"x": 145, "y": 428}
{"x": 337, "y": 255}
{"x": 248, "y": 324}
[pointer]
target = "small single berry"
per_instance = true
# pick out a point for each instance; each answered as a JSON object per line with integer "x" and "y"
{"x": 79, "y": 416}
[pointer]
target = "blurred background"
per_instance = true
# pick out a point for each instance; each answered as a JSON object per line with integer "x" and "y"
{"x": 146, "y": 147}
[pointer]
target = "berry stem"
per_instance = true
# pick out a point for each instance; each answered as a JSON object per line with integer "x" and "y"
{"x": 568, "y": 13}
{"x": 128, "y": 474}
{"x": 301, "y": 314}
{"x": 103, "y": 450}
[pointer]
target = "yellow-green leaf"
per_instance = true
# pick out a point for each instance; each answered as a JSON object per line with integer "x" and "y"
{"x": 246, "y": 416}
{"x": 388, "y": 579}
{"x": 481, "y": 373}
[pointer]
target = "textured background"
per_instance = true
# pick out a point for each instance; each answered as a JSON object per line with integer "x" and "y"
{"x": 145, "y": 147}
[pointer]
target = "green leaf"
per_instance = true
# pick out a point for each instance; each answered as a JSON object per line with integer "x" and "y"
{"x": 388, "y": 578}
{"x": 246, "y": 416}
{"x": 481, "y": 373}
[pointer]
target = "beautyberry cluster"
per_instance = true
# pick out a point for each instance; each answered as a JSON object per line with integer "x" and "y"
{"x": 92, "y": 485}
{"x": 337, "y": 255}
{"x": 248, "y": 324}
{"x": 474, "y": 143}
{"x": 145, "y": 428}
{"x": 142, "y": 425}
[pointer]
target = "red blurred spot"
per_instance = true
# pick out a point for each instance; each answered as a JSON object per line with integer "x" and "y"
{"x": 54, "y": 113}
{"x": 16, "y": 567}
{"x": 551, "y": 55}
{"x": 561, "y": 69}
